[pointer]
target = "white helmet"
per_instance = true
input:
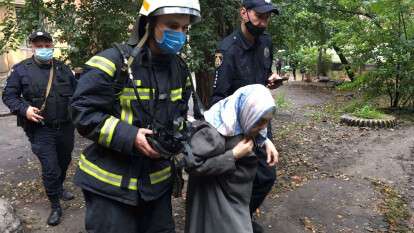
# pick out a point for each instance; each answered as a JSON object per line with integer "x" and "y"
{"x": 164, "y": 7}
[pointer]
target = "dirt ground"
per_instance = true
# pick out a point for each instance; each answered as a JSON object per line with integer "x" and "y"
{"x": 331, "y": 178}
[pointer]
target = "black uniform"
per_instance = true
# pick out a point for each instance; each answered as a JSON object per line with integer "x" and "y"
{"x": 52, "y": 141}
{"x": 126, "y": 191}
{"x": 240, "y": 63}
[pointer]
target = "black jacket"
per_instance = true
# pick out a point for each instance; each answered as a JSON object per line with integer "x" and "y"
{"x": 240, "y": 63}
{"x": 26, "y": 86}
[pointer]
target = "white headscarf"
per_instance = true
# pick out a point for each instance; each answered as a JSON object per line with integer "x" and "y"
{"x": 239, "y": 113}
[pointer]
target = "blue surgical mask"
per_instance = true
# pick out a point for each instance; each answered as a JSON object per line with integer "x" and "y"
{"x": 172, "y": 41}
{"x": 44, "y": 54}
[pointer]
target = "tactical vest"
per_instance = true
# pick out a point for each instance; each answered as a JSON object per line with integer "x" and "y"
{"x": 35, "y": 84}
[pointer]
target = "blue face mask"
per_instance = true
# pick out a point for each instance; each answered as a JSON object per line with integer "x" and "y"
{"x": 44, "y": 54}
{"x": 172, "y": 41}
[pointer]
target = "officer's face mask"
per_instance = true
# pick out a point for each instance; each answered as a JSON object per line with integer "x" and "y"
{"x": 256, "y": 31}
{"x": 172, "y": 41}
{"x": 44, "y": 54}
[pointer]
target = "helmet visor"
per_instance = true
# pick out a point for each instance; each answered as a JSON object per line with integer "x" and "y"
{"x": 195, "y": 14}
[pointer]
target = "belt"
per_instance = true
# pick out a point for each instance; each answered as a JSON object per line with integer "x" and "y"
{"x": 54, "y": 124}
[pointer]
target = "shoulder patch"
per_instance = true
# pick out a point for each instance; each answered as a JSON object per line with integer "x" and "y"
{"x": 266, "y": 52}
{"x": 218, "y": 60}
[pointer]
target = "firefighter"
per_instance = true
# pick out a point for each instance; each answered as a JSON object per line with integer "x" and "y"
{"x": 128, "y": 95}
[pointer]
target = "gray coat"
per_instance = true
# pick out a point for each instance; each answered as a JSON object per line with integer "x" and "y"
{"x": 219, "y": 188}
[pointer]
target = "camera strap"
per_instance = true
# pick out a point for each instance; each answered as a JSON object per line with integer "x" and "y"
{"x": 126, "y": 76}
{"x": 49, "y": 86}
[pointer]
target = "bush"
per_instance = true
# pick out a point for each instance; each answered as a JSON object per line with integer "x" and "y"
{"x": 355, "y": 85}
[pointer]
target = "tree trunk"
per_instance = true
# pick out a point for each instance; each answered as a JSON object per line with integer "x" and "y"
{"x": 397, "y": 94}
{"x": 319, "y": 63}
{"x": 344, "y": 61}
{"x": 204, "y": 83}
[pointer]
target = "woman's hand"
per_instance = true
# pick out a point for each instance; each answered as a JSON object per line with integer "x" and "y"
{"x": 272, "y": 154}
{"x": 243, "y": 148}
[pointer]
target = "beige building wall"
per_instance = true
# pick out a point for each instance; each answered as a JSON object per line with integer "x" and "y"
{"x": 10, "y": 58}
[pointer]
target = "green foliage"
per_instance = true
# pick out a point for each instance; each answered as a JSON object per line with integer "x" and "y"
{"x": 361, "y": 32}
{"x": 92, "y": 27}
{"x": 368, "y": 112}
{"x": 308, "y": 58}
{"x": 20, "y": 22}
{"x": 9, "y": 34}
{"x": 353, "y": 106}
{"x": 357, "y": 84}
{"x": 219, "y": 19}
{"x": 86, "y": 29}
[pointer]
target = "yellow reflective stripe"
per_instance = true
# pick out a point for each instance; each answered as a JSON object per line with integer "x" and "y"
{"x": 129, "y": 94}
{"x": 144, "y": 94}
{"x": 176, "y": 94}
{"x": 104, "y": 176}
{"x": 160, "y": 176}
{"x": 129, "y": 115}
{"x": 114, "y": 179}
{"x": 138, "y": 82}
{"x": 103, "y": 64}
{"x": 126, "y": 113}
{"x": 107, "y": 131}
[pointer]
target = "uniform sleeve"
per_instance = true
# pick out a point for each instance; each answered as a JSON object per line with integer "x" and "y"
{"x": 223, "y": 79}
{"x": 12, "y": 94}
{"x": 271, "y": 59}
{"x": 92, "y": 108}
{"x": 72, "y": 78}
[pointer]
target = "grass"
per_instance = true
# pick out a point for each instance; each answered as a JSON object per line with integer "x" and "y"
{"x": 316, "y": 116}
{"x": 368, "y": 112}
{"x": 282, "y": 102}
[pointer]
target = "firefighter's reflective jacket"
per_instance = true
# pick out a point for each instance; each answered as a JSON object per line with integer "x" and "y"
{"x": 109, "y": 113}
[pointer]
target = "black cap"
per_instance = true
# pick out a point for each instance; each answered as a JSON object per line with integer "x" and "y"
{"x": 40, "y": 34}
{"x": 260, "y": 6}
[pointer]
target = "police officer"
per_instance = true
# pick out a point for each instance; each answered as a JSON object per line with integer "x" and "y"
{"x": 243, "y": 58}
{"x": 38, "y": 91}
{"x": 128, "y": 95}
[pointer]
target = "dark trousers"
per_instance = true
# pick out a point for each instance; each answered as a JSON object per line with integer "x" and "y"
{"x": 53, "y": 147}
{"x": 263, "y": 182}
{"x": 110, "y": 216}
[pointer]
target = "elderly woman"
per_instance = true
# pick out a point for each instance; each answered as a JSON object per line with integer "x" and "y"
{"x": 224, "y": 165}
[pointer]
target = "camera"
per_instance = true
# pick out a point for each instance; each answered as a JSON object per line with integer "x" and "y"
{"x": 169, "y": 141}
